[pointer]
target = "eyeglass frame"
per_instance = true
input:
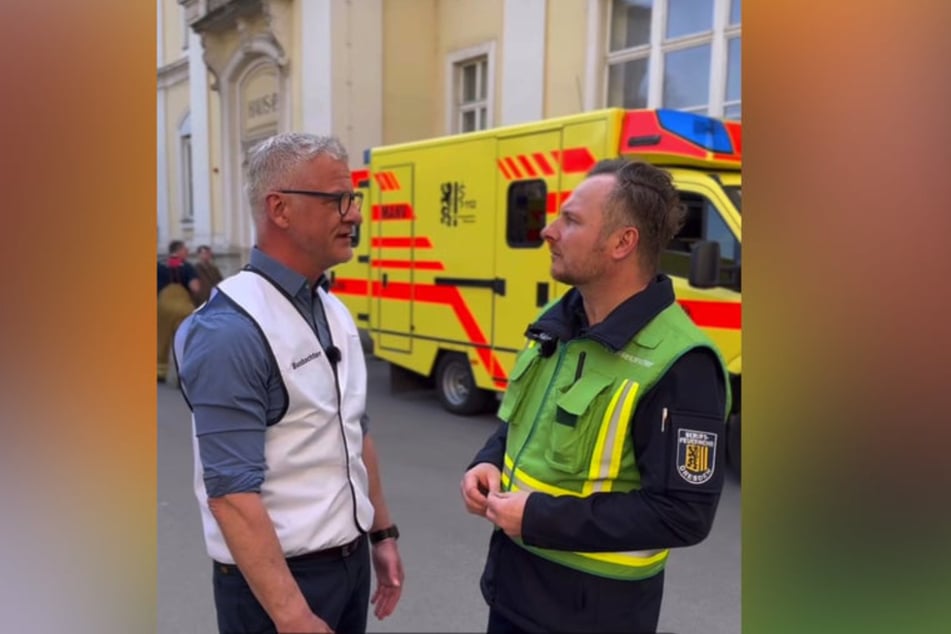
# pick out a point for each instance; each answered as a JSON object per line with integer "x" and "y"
{"x": 354, "y": 197}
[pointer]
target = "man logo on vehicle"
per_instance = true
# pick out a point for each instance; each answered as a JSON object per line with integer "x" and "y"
{"x": 696, "y": 451}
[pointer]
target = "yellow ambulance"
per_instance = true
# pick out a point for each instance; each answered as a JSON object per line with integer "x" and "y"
{"x": 450, "y": 267}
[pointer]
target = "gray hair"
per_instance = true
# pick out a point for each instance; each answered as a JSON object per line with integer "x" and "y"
{"x": 273, "y": 159}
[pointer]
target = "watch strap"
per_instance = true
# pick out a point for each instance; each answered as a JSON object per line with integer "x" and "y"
{"x": 384, "y": 533}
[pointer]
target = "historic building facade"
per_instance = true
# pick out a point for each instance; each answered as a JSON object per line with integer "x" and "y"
{"x": 373, "y": 72}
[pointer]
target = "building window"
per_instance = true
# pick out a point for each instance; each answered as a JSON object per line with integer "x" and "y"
{"x": 470, "y": 104}
{"x": 731, "y": 105}
{"x": 682, "y": 54}
{"x": 687, "y": 79}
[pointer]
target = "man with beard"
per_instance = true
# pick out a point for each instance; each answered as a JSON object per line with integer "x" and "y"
{"x": 611, "y": 443}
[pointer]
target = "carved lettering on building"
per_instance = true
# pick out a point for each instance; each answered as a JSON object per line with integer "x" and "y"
{"x": 262, "y": 106}
{"x": 261, "y": 102}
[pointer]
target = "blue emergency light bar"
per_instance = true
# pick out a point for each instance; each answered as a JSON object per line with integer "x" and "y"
{"x": 704, "y": 131}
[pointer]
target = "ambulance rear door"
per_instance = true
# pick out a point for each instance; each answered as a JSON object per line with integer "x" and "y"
{"x": 393, "y": 220}
{"x": 527, "y": 196}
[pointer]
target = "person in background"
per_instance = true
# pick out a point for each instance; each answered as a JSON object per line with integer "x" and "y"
{"x": 208, "y": 273}
{"x": 610, "y": 449}
{"x": 178, "y": 284}
{"x": 287, "y": 475}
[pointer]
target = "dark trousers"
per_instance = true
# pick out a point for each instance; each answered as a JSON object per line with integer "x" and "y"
{"x": 528, "y": 593}
{"x": 337, "y": 590}
{"x": 498, "y": 624}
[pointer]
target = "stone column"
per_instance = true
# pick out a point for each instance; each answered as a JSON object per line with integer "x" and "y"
{"x": 201, "y": 167}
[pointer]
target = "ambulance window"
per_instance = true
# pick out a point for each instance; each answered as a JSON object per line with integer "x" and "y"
{"x": 703, "y": 222}
{"x": 527, "y": 201}
{"x": 735, "y": 194}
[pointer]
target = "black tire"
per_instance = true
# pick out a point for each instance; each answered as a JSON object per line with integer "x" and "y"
{"x": 456, "y": 387}
{"x": 733, "y": 444}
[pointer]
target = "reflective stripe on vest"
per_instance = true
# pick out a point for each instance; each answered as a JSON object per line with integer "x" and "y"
{"x": 606, "y": 461}
{"x": 604, "y": 467}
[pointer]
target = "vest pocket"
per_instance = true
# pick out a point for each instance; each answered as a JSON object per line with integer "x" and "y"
{"x": 576, "y": 422}
{"x": 512, "y": 404}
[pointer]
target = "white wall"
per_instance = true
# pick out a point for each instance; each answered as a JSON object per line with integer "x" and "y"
{"x": 523, "y": 61}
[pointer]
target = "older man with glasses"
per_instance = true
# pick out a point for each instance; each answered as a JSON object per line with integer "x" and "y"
{"x": 287, "y": 476}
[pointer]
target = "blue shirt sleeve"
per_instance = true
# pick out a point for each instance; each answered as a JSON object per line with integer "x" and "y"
{"x": 225, "y": 369}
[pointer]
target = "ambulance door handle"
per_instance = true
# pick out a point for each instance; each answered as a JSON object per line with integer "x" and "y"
{"x": 541, "y": 294}
{"x": 385, "y": 280}
{"x": 496, "y": 285}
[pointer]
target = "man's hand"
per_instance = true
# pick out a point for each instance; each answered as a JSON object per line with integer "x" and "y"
{"x": 250, "y": 535}
{"x": 505, "y": 510}
{"x": 477, "y": 483}
{"x": 307, "y": 622}
{"x": 389, "y": 578}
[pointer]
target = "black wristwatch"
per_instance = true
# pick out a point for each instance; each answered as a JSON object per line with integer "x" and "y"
{"x": 384, "y": 533}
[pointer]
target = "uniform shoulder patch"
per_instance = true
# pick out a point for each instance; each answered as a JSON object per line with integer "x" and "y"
{"x": 696, "y": 455}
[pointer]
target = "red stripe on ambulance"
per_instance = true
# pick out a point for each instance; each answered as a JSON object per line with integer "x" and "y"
{"x": 401, "y": 243}
{"x": 712, "y": 314}
{"x": 512, "y": 167}
{"x": 416, "y": 265}
{"x": 543, "y": 163}
{"x": 392, "y": 211}
{"x": 432, "y": 294}
{"x": 391, "y": 179}
{"x": 350, "y": 286}
{"x": 357, "y": 177}
{"x": 555, "y": 201}
{"x": 527, "y": 165}
{"x": 576, "y": 159}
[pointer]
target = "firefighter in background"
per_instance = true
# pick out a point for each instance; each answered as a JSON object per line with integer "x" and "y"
{"x": 178, "y": 285}
{"x": 610, "y": 450}
{"x": 208, "y": 273}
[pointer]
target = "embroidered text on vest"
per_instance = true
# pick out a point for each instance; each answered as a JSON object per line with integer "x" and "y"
{"x": 310, "y": 357}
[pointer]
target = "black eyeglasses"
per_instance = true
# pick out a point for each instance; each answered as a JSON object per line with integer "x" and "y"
{"x": 345, "y": 200}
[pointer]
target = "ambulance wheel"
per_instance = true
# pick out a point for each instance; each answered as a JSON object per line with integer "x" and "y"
{"x": 456, "y": 387}
{"x": 733, "y": 444}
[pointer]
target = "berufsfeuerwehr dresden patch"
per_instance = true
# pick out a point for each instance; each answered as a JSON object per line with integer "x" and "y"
{"x": 696, "y": 455}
